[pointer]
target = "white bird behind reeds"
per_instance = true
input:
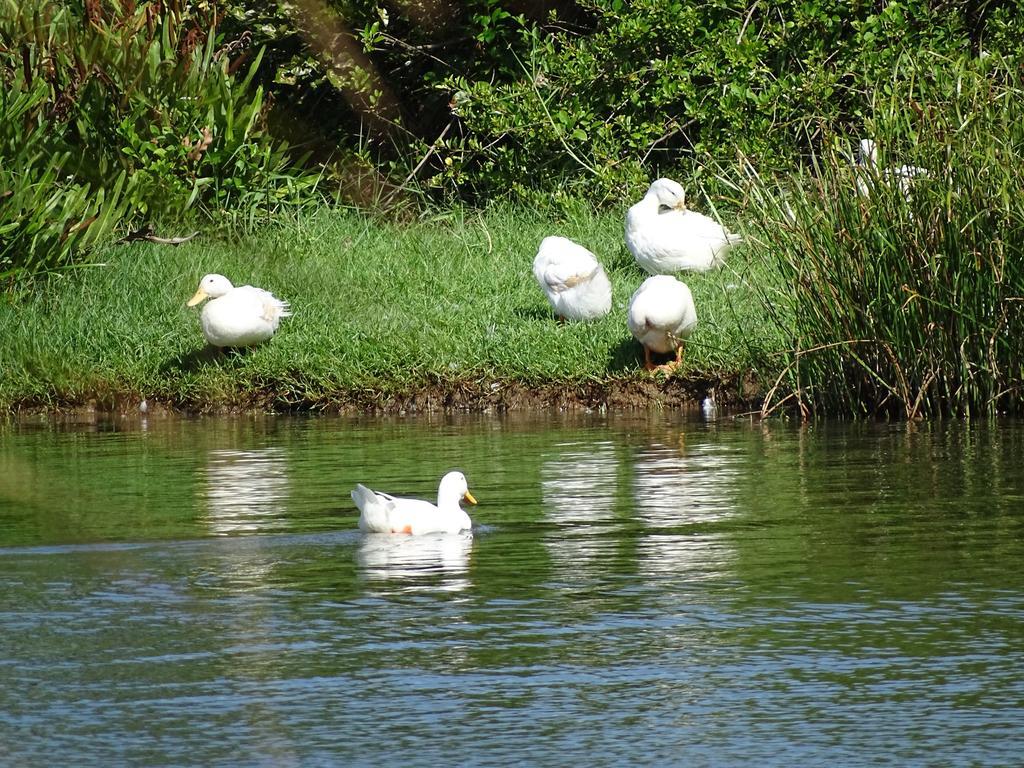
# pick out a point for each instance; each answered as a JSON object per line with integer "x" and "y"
{"x": 903, "y": 176}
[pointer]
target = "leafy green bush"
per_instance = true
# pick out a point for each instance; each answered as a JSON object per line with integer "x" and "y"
{"x": 159, "y": 111}
{"x": 906, "y": 299}
{"x": 655, "y": 84}
{"x": 359, "y": 82}
{"x": 542, "y": 102}
{"x": 124, "y": 113}
{"x": 44, "y": 213}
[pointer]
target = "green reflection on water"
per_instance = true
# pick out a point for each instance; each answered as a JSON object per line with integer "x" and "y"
{"x": 823, "y": 509}
{"x": 644, "y": 588}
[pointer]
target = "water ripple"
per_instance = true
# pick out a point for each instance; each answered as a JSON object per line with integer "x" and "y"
{"x": 641, "y": 592}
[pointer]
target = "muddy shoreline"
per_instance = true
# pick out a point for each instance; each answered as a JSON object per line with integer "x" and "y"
{"x": 461, "y": 396}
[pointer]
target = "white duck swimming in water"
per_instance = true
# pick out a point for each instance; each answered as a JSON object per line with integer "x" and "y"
{"x": 573, "y": 280}
{"x": 665, "y": 237}
{"x": 237, "y": 317}
{"x": 383, "y": 513}
{"x": 661, "y": 317}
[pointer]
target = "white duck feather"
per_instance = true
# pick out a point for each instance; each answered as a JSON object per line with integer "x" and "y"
{"x": 903, "y": 175}
{"x": 661, "y": 317}
{"x": 237, "y": 316}
{"x": 572, "y": 279}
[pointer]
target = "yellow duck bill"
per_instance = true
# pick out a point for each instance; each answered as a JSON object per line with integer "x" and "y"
{"x": 198, "y": 297}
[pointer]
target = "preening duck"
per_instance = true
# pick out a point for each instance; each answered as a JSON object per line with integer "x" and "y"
{"x": 572, "y": 279}
{"x": 665, "y": 237}
{"x": 383, "y": 513}
{"x": 237, "y": 316}
{"x": 661, "y": 317}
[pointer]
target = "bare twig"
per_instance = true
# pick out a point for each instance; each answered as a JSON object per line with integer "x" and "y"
{"x": 558, "y": 131}
{"x": 675, "y": 129}
{"x": 146, "y": 233}
{"x": 412, "y": 174}
{"x": 746, "y": 23}
{"x": 768, "y": 407}
{"x": 425, "y": 49}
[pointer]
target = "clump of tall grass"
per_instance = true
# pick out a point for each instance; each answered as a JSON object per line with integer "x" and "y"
{"x": 906, "y": 298}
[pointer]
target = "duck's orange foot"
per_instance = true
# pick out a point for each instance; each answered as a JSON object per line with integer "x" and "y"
{"x": 667, "y": 368}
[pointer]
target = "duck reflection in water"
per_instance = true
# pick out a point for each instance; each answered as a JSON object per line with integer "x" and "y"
{"x": 682, "y": 489}
{"x": 417, "y": 560}
{"x": 579, "y": 486}
{"x": 245, "y": 490}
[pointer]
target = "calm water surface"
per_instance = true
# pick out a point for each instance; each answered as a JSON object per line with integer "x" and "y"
{"x": 651, "y": 591}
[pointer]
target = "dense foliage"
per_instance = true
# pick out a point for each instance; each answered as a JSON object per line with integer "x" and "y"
{"x": 113, "y": 112}
{"x": 524, "y": 100}
{"x": 111, "y": 115}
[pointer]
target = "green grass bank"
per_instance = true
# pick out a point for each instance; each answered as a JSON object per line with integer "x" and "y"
{"x": 440, "y": 314}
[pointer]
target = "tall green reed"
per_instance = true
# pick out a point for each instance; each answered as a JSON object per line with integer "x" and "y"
{"x": 905, "y": 299}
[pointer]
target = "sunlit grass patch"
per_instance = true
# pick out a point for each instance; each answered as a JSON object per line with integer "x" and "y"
{"x": 376, "y": 306}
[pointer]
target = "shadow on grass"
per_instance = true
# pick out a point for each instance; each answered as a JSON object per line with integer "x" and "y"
{"x": 622, "y": 262}
{"x": 534, "y": 313}
{"x": 627, "y": 355}
{"x": 200, "y": 358}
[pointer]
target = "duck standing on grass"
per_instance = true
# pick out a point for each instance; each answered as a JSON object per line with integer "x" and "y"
{"x": 237, "y": 317}
{"x": 661, "y": 317}
{"x": 665, "y": 237}
{"x": 572, "y": 279}
{"x": 383, "y": 513}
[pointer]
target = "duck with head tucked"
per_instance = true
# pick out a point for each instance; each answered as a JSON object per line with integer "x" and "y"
{"x": 572, "y": 279}
{"x": 237, "y": 316}
{"x": 661, "y": 317}
{"x": 665, "y": 237}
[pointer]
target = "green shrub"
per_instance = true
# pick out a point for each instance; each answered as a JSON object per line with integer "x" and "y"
{"x": 911, "y": 302}
{"x": 541, "y": 102}
{"x": 654, "y": 85}
{"x": 124, "y": 114}
{"x": 358, "y": 81}
{"x": 44, "y": 213}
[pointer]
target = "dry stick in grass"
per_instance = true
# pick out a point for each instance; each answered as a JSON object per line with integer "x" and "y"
{"x": 146, "y": 233}
{"x": 766, "y": 410}
{"x": 420, "y": 164}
